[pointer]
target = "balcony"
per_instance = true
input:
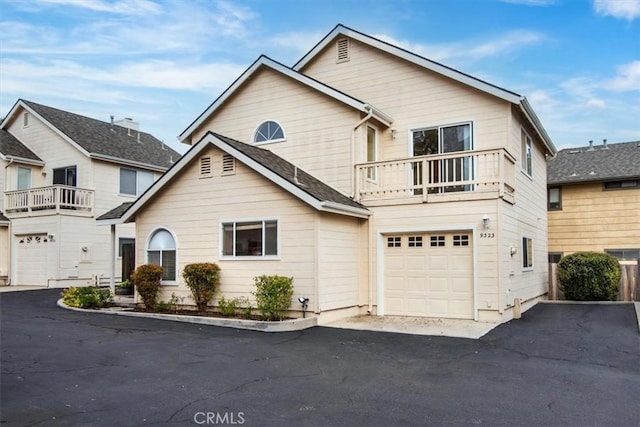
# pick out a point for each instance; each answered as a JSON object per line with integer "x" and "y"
{"x": 464, "y": 175}
{"x": 53, "y": 200}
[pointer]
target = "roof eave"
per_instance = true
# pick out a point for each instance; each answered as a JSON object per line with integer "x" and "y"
{"x": 126, "y": 162}
{"x": 535, "y": 121}
{"x": 24, "y": 160}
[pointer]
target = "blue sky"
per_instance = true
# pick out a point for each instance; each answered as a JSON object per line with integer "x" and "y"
{"x": 163, "y": 62}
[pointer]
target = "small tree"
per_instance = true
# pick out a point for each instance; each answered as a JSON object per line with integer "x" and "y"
{"x": 203, "y": 280}
{"x": 589, "y": 276}
{"x": 146, "y": 280}
{"x": 273, "y": 295}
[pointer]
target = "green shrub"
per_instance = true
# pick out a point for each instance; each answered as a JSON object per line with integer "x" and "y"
{"x": 227, "y": 307}
{"x": 244, "y": 305}
{"x": 273, "y": 295}
{"x": 87, "y": 297}
{"x": 589, "y": 276}
{"x": 203, "y": 280}
{"x": 146, "y": 280}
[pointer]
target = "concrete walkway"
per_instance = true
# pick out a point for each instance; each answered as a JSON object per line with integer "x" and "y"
{"x": 458, "y": 328}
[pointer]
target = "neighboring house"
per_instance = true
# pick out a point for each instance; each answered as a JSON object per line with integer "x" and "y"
{"x": 594, "y": 200}
{"x": 381, "y": 181}
{"x": 59, "y": 171}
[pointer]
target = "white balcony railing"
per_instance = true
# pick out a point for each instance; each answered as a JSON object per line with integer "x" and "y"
{"x": 49, "y": 200}
{"x": 463, "y": 175}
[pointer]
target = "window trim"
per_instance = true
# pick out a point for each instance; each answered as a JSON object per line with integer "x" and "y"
{"x": 18, "y": 177}
{"x": 270, "y": 141}
{"x": 622, "y": 187}
{"x": 608, "y": 251}
{"x": 372, "y": 172}
{"x": 263, "y": 257}
{"x": 175, "y": 241}
{"x": 524, "y": 252}
{"x": 526, "y": 163}
{"x": 559, "y": 208}
{"x": 138, "y": 194}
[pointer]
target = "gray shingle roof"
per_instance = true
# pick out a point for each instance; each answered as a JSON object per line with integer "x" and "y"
{"x": 101, "y": 138}
{"x": 4, "y": 218}
{"x": 309, "y": 184}
{"x": 12, "y": 147}
{"x": 115, "y": 213}
{"x": 615, "y": 162}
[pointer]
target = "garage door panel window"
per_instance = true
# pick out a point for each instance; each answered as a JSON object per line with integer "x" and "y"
{"x": 415, "y": 241}
{"x": 461, "y": 240}
{"x": 437, "y": 241}
{"x": 162, "y": 251}
{"x": 394, "y": 242}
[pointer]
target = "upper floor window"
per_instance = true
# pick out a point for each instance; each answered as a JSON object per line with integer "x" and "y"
{"x": 554, "y": 199}
{"x": 133, "y": 182}
{"x": 162, "y": 251}
{"x": 250, "y": 238}
{"x": 372, "y": 151}
{"x": 66, "y": 176}
{"x": 527, "y": 153}
{"x": 24, "y": 178}
{"x": 269, "y": 131}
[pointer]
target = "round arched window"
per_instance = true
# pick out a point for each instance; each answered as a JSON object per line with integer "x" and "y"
{"x": 268, "y": 131}
{"x": 162, "y": 251}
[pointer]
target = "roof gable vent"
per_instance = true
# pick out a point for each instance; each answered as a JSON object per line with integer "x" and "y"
{"x": 228, "y": 164}
{"x": 205, "y": 166}
{"x": 342, "y": 50}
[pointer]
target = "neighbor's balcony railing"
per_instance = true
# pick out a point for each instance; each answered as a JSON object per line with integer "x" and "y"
{"x": 49, "y": 200}
{"x": 464, "y": 175}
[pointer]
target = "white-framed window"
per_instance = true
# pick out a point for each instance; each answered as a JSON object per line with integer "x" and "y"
{"x": 372, "y": 151}
{"x": 554, "y": 199}
{"x": 269, "y": 131}
{"x": 134, "y": 182}
{"x": 250, "y": 238}
{"x": 527, "y": 152}
{"x": 527, "y": 253}
{"x": 24, "y": 178}
{"x": 443, "y": 139}
{"x": 630, "y": 254}
{"x": 161, "y": 250}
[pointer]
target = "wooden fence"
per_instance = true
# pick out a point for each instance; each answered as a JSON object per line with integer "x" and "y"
{"x": 628, "y": 288}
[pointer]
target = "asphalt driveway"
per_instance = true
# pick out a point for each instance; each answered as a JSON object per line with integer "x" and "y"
{"x": 570, "y": 365}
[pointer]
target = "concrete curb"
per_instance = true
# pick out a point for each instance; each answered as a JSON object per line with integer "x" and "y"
{"x": 254, "y": 325}
{"x": 637, "y": 306}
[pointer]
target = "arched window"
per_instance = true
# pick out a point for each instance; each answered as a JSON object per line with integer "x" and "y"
{"x": 162, "y": 251}
{"x": 268, "y": 131}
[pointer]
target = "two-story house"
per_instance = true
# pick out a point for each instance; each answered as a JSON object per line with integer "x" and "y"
{"x": 60, "y": 170}
{"x": 594, "y": 200}
{"x": 381, "y": 181}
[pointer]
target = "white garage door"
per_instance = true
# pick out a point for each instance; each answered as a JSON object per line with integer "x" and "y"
{"x": 429, "y": 275}
{"x": 31, "y": 265}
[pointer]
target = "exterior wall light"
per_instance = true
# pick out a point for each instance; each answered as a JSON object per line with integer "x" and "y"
{"x": 305, "y": 303}
{"x": 485, "y": 221}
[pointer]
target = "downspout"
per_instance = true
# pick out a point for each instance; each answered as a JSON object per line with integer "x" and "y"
{"x": 353, "y": 147}
{"x": 353, "y": 185}
{"x": 9, "y": 229}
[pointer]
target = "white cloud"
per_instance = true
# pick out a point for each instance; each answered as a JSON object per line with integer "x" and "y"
{"x": 627, "y": 78}
{"x": 123, "y": 7}
{"x": 507, "y": 43}
{"x": 623, "y": 9}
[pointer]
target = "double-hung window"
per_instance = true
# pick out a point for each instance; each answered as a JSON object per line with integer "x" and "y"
{"x": 554, "y": 199}
{"x": 24, "y": 178}
{"x": 134, "y": 182}
{"x": 257, "y": 238}
{"x": 527, "y": 153}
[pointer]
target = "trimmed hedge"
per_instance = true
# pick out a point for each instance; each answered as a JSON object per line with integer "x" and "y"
{"x": 87, "y": 297}
{"x": 273, "y": 296}
{"x": 203, "y": 280}
{"x": 589, "y": 276}
{"x": 146, "y": 280}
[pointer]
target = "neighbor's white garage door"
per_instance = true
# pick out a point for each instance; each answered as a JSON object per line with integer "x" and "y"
{"x": 32, "y": 256}
{"x": 429, "y": 275}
